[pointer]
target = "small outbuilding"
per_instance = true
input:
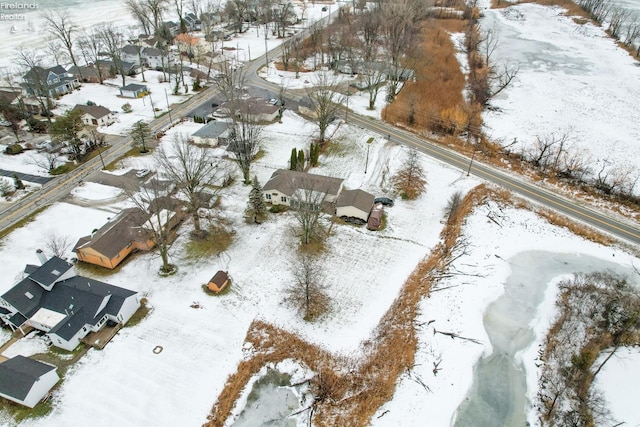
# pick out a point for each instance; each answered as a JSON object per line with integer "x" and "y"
{"x": 219, "y": 281}
{"x": 26, "y": 381}
{"x": 213, "y": 133}
{"x": 133, "y": 90}
{"x": 354, "y": 204}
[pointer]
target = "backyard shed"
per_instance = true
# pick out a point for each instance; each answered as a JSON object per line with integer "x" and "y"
{"x": 26, "y": 381}
{"x": 354, "y": 204}
{"x": 218, "y": 282}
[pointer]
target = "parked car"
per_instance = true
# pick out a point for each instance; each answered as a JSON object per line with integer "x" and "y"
{"x": 384, "y": 200}
{"x": 142, "y": 173}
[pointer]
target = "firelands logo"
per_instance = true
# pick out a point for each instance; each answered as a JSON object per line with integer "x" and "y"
{"x": 8, "y": 11}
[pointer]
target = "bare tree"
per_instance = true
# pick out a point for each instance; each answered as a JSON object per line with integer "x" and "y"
{"x": 113, "y": 42}
{"x": 306, "y": 294}
{"x": 160, "y": 221}
{"x": 91, "y": 46}
{"x": 137, "y": 9}
{"x": 307, "y": 207}
{"x": 31, "y": 61}
{"x": 58, "y": 244}
{"x": 245, "y": 137}
{"x": 325, "y": 101}
{"x": 157, "y": 9}
{"x": 61, "y": 27}
{"x": 46, "y": 160}
{"x": 410, "y": 179}
{"x": 194, "y": 170}
{"x": 230, "y": 80}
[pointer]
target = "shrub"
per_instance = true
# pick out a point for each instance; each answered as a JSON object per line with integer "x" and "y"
{"x": 91, "y": 103}
{"x": 278, "y": 208}
{"x": 127, "y": 108}
{"x": 14, "y": 149}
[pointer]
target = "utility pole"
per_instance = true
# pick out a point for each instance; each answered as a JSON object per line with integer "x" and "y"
{"x": 152, "y": 107}
{"x": 168, "y": 109}
{"x": 473, "y": 153}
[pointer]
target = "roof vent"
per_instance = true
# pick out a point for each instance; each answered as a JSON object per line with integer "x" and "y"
{"x": 55, "y": 272}
{"x": 28, "y": 295}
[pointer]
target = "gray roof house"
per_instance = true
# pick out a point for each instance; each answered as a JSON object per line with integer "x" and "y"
{"x": 252, "y": 109}
{"x": 26, "y": 381}
{"x": 54, "y": 81}
{"x": 354, "y": 204}
{"x": 96, "y": 115}
{"x": 285, "y": 184}
{"x": 133, "y": 90}
{"x": 53, "y": 299}
{"x": 213, "y": 133}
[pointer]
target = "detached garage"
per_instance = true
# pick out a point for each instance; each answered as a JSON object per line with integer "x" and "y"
{"x": 26, "y": 381}
{"x": 354, "y": 204}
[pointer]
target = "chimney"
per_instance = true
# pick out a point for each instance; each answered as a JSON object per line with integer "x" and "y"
{"x": 41, "y": 256}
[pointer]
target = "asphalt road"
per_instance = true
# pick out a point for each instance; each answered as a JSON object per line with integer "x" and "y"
{"x": 54, "y": 191}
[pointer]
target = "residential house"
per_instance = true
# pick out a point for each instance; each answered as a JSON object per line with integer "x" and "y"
{"x": 114, "y": 241}
{"x": 15, "y": 98}
{"x": 10, "y": 97}
{"x": 171, "y": 27}
{"x": 192, "y": 22}
{"x": 213, "y": 133}
{"x": 26, "y": 381}
{"x": 96, "y": 115}
{"x": 109, "y": 69}
{"x": 133, "y": 90}
{"x": 150, "y": 56}
{"x": 219, "y": 282}
{"x": 88, "y": 74}
{"x": 52, "y": 82}
{"x": 284, "y": 184}
{"x": 54, "y": 299}
{"x": 354, "y": 204}
{"x": 253, "y": 109}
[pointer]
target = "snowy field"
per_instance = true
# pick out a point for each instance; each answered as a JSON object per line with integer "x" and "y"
{"x": 573, "y": 80}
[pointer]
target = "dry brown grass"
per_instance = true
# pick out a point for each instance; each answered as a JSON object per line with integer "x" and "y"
{"x": 572, "y": 8}
{"x": 353, "y": 390}
{"x": 437, "y": 91}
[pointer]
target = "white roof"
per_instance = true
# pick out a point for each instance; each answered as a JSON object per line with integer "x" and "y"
{"x": 48, "y": 318}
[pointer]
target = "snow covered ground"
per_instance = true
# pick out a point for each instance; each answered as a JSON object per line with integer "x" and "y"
{"x": 573, "y": 80}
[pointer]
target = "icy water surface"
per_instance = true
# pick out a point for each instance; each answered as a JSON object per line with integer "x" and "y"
{"x": 498, "y": 394}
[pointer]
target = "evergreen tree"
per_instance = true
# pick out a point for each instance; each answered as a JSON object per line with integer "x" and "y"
{"x": 196, "y": 83}
{"x": 257, "y": 209}
{"x": 314, "y": 154}
{"x": 300, "y": 161}
{"x": 17, "y": 182}
{"x": 140, "y": 133}
{"x": 294, "y": 158}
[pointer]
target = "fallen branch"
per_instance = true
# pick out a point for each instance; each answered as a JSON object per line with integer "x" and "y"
{"x": 454, "y": 335}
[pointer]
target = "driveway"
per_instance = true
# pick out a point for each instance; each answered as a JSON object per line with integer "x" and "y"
{"x": 27, "y": 177}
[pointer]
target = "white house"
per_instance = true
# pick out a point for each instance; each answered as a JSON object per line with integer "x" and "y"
{"x": 67, "y": 307}
{"x": 213, "y": 133}
{"x": 284, "y": 184}
{"x": 354, "y": 204}
{"x": 150, "y": 56}
{"x": 26, "y": 381}
{"x": 96, "y": 115}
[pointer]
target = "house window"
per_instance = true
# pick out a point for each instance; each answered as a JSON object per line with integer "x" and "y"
{"x": 283, "y": 199}
{"x": 268, "y": 196}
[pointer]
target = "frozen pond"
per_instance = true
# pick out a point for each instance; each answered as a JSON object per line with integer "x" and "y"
{"x": 271, "y": 401}
{"x": 498, "y": 394}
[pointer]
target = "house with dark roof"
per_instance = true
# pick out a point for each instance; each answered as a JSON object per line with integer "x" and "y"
{"x": 354, "y": 204}
{"x": 114, "y": 241}
{"x": 133, "y": 90}
{"x": 218, "y": 282}
{"x": 252, "y": 109}
{"x": 67, "y": 307}
{"x": 213, "y": 133}
{"x": 26, "y": 381}
{"x": 287, "y": 184}
{"x": 52, "y": 82}
{"x": 88, "y": 73}
{"x": 109, "y": 68}
{"x": 96, "y": 115}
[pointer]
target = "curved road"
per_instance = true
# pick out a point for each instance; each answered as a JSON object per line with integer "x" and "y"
{"x": 57, "y": 189}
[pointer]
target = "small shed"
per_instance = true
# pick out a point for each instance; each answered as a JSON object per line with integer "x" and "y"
{"x": 375, "y": 217}
{"x": 213, "y": 133}
{"x": 218, "y": 282}
{"x": 133, "y": 90}
{"x": 354, "y": 204}
{"x": 26, "y": 381}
